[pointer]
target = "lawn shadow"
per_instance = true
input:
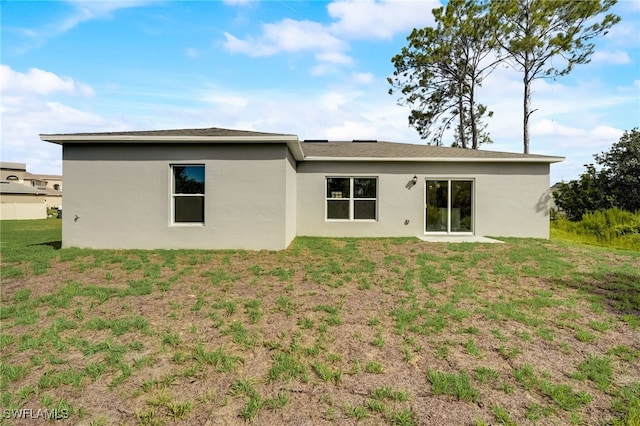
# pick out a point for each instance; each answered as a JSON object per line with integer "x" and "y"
{"x": 619, "y": 291}
{"x": 57, "y": 245}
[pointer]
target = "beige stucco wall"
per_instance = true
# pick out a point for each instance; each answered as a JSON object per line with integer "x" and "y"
{"x": 118, "y": 196}
{"x": 5, "y": 173}
{"x": 18, "y": 210}
{"x": 22, "y": 198}
{"x": 509, "y": 199}
{"x": 51, "y": 182}
{"x": 53, "y": 201}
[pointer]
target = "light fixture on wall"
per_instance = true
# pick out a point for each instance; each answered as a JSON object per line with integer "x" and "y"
{"x": 411, "y": 182}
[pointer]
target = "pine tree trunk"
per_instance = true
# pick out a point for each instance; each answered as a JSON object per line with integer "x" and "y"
{"x": 473, "y": 118}
{"x": 527, "y": 106}
{"x": 461, "y": 132}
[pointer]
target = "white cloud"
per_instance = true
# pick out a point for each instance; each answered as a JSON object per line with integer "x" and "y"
{"x": 39, "y": 82}
{"x": 29, "y": 107}
{"x": 335, "y": 100}
{"x": 617, "y": 57}
{"x": 352, "y": 20}
{"x": 81, "y": 11}
{"x": 287, "y": 35}
{"x": 566, "y": 137}
{"x": 334, "y": 58}
{"x": 379, "y": 19}
{"x": 626, "y": 33}
{"x": 86, "y": 10}
{"x": 363, "y": 77}
{"x": 324, "y": 69}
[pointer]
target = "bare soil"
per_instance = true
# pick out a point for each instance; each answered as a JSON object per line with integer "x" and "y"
{"x": 365, "y": 281}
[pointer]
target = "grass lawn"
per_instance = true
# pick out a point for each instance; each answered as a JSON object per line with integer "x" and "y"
{"x": 330, "y": 331}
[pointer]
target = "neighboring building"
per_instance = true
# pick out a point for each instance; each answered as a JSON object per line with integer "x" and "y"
{"x": 53, "y": 182}
{"x": 50, "y": 184}
{"x": 12, "y": 172}
{"x": 19, "y": 199}
{"x": 222, "y": 189}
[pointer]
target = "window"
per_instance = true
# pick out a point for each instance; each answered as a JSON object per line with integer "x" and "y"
{"x": 352, "y": 198}
{"x": 449, "y": 206}
{"x": 12, "y": 178}
{"x": 187, "y": 193}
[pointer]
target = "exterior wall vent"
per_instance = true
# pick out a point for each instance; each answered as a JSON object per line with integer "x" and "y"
{"x": 315, "y": 140}
{"x": 365, "y": 141}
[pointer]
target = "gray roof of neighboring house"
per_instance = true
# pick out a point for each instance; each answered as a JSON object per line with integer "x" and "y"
{"x": 13, "y": 166}
{"x": 18, "y": 188}
{"x": 306, "y": 151}
{"x": 28, "y": 175}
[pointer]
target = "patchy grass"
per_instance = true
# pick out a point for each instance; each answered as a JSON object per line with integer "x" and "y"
{"x": 378, "y": 331}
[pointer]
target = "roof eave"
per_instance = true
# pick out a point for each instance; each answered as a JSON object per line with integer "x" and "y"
{"x": 443, "y": 159}
{"x": 292, "y": 141}
{"x": 62, "y": 139}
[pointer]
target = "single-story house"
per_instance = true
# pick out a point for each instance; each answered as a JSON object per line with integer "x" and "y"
{"x": 49, "y": 186}
{"x": 18, "y": 201}
{"x": 224, "y": 189}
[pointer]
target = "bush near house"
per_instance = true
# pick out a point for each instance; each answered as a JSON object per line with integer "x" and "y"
{"x": 614, "y": 183}
{"x": 613, "y": 228}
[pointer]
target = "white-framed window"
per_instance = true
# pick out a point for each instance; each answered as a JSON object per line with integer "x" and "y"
{"x": 351, "y": 198}
{"x": 187, "y": 193}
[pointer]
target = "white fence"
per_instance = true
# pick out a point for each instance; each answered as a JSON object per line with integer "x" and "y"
{"x": 23, "y": 211}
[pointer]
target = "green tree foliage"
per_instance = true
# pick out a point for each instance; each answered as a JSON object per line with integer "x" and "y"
{"x": 621, "y": 171}
{"x": 547, "y": 38}
{"x": 439, "y": 71}
{"x": 586, "y": 194}
{"x": 615, "y": 184}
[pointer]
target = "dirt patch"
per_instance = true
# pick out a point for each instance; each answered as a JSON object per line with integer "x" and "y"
{"x": 322, "y": 327}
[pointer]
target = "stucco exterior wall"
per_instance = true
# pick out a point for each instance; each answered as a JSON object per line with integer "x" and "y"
{"x": 23, "y": 198}
{"x": 291, "y": 208}
{"x": 52, "y": 201}
{"x": 509, "y": 199}
{"x": 5, "y": 173}
{"x": 19, "y": 210}
{"x": 118, "y": 196}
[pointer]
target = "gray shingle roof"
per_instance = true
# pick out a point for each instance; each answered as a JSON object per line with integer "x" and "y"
{"x": 13, "y": 166}
{"x": 18, "y": 188}
{"x": 393, "y": 150}
{"x": 211, "y": 131}
{"x": 305, "y": 151}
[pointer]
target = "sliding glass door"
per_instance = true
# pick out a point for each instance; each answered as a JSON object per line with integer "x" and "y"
{"x": 449, "y": 206}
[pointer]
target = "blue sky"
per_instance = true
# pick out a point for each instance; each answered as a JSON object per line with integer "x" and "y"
{"x": 316, "y": 69}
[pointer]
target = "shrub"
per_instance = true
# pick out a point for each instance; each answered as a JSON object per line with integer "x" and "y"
{"x": 612, "y": 227}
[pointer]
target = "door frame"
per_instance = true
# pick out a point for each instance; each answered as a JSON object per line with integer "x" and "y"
{"x": 449, "y": 180}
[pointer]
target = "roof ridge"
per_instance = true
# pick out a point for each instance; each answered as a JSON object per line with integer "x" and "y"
{"x": 195, "y": 131}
